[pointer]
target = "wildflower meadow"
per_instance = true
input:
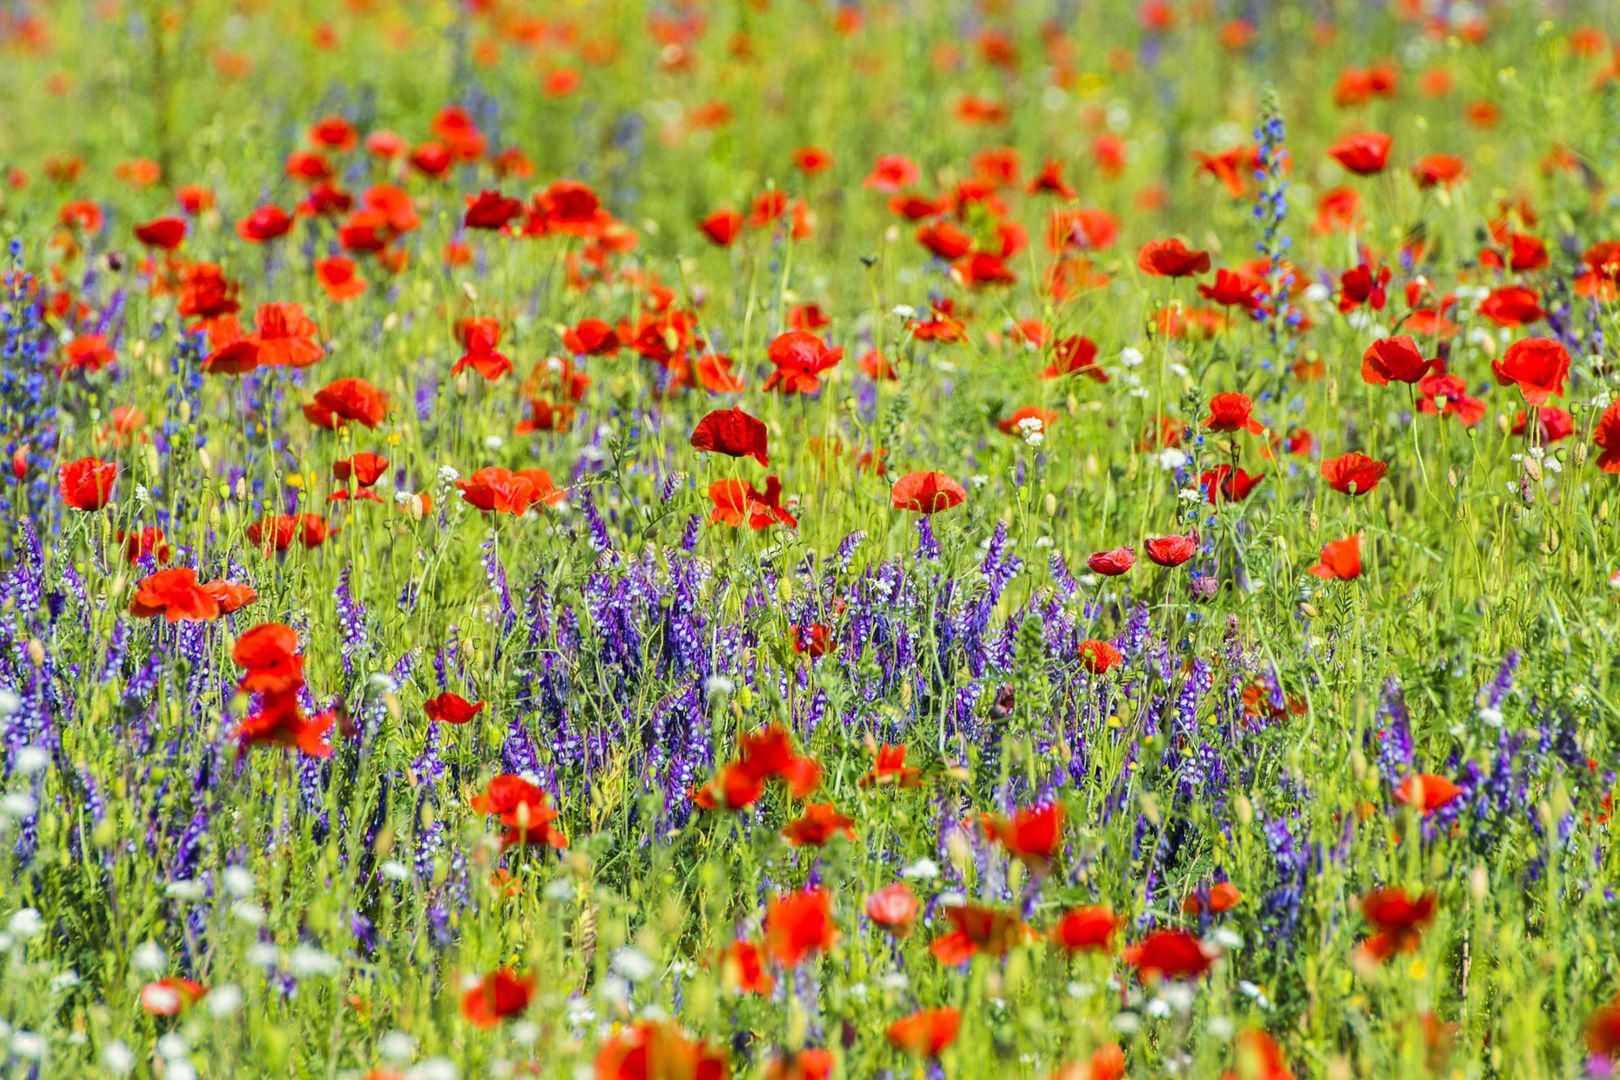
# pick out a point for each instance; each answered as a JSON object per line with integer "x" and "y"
{"x": 794, "y": 539}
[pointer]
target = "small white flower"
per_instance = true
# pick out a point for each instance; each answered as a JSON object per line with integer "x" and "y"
{"x": 1080, "y": 991}
{"x": 633, "y": 964}
{"x": 264, "y": 954}
{"x": 307, "y": 961}
{"x": 921, "y": 870}
{"x": 1130, "y": 357}
{"x": 560, "y": 890}
{"x": 65, "y": 980}
{"x": 246, "y": 911}
{"x": 117, "y": 1058}
{"x": 716, "y": 685}
{"x": 1127, "y": 1022}
{"x": 435, "y": 1069}
{"x": 394, "y": 870}
{"x": 1227, "y": 938}
{"x": 190, "y": 890}
{"x": 224, "y": 1000}
{"x": 26, "y": 1044}
{"x": 9, "y": 701}
{"x": 173, "y": 1045}
{"x": 25, "y": 924}
{"x": 1170, "y": 459}
{"x": 895, "y": 981}
{"x": 31, "y": 760}
{"x": 978, "y": 480}
{"x": 904, "y": 311}
{"x": 524, "y": 1032}
{"x": 17, "y": 804}
{"x": 1158, "y": 1008}
{"x": 493, "y": 442}
{"x": 1490, "y": 716}
{"x": 1222, "y": 1027}
{"x": 1317, "y": 293}
{"x": 238, "y": 881}
{"x": 396, "y": 1046}
{"x": 448, "y": 475}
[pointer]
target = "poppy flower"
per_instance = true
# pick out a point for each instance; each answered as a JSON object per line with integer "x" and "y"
{"x": 497, "y": 996}
{"x": 164, "y": 233}
{"x": 498, "y": 490}
{"x": 364, "y": 469}
{"x": 892, "y": 172}
{"x": 889, "y": 769}
{"x": 1229, "y": 166}
{"x": 893, "y": 907}
{"x": 1447, "y": 395}
{"x": 799, "y": 358}
{"x": 591, "y": 337}
{"x": 1512, "y": 306}
{"x": 983, "y": 268}
{"x": 1112, "y": 563}
{"x": 1439, "y": 170}
{"x": 270, "y": 654}
{"x": 1033, "y": 834}
{"x": 722, "y": 227}
{"x": 1354, "y": 473}
{"x": 734, "y": 433}
{"x": 1363, "y": 284}
{"x": 926, "y": 1033}
{"x": 169, "y": 996}
{"x": 1171, "y": 258}
{"x": 977, "y": 930}
{"x": 347, "y": 400}
{"x": 264, "y": 224}
{"x": 1341, "y": 559}
{"x": 654, "y": 1051}
{"x": 744, "y": 968}
{"x": 1259, "y": 1058}
{"x": 1107, "y": 1063}
{"x": 450, "y": 708}
{"x": 763, "y": 755}
{"x": 1086, "y": 929}
{"x": 799, "y": 925}
{"x": 1170, "y": 954}
{"x": 1235, "y": 288}
{"x": 480, "y": 338}
{"x": 490, "y": 210}
{"x": 1364, "y": 154}
{"x": 1219, "y": 897}
{"x": 86, "y": 484}
{"x": 1537, "y": 366}
{"x": 285, "y": 337}
{"x": 88, "y": 352}
{"x": 737, "y": 501}
{"x": 147, "y": 543}
{"x": 1098, "y": 657}
{"x": 275, "y": 673}
{"x": 811, "y": 1063}
{"x": 1171, "y": 550}
{"x": 231, "y": 595}
{"x": 1427, "y": 792}
{"x": 1607, "y": 439}
{"x": 280, "y": 532}
{"x": 1225, "y": 484}
{"x": 818, "y": 824}
{"x": 1026, "y": 422}
{"x": 1074, "y": 355}
{"x": 1603, "y": 1031}
{"x": 1395, "y": 359}
{"x": 523, "y": 808}
{"x": 945, "y": 240}
{"x": 1232, "y": 412}
{"x": 926, "y": 493}
{"x": 1556, "y": 424}
{"x": 175, "y": 594}
{"x": 339, "y": 278}
{"x": 1398, "y": 920}
{"x": 811, "y": 639}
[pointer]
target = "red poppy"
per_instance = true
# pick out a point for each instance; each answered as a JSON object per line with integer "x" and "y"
{"x": 491, "y": 210}
{"x": 1027, "y": 420}
{"x": 364, "y": 468}
{"x": 339, "y": 278}
{"x": 1512, "y": 306}
{"x": 799, "y": 925}
{"x": 1607, "y": 439}
{"x": 270, "y": 654}
{"x": 480, "y": 338}
{"x": 279, "y": 532}
{"x": 745, "y": 968}
{"x": 450, "y": 708}
{"x": 1171, "y": 954}
{"x": 175, "y": 594}
{"x": 523, "y": 808}
{"x": 1221, "y": 896}
{"x": 1447, "y": 395}
{"x": 231, "y": 595}
{"x": 799, "y": 357}
{"x": 1232, "y": 412}
{"x": 1171, "y": 258}
{"x": 1086, "y": 929}
{"x": 1354, "y": 473}
{"x": 893, "y": 907}
{"x": 1363, "y": 154}
{"x": 1235, "y": 288}
{"x": 1033, "y": 834}
{"x": 890, "y": 770}
{"x": 1112, "y": 563}
{"x": 814, "y": 640}
{"x": 926, "y": 1033}
{"x": 1427, "y": 792}
{"x": 164, "y": 233}
{"x": 977, "y": 930}
{"x": 983, "y": 268}
{"x": 347, "y": 400}
{"x": 591, "y": 337}
{"x": 89, "y": 352}
{"x": 496, "y": 997}
{"x": 926, "y": 493}
{"x": 652, "y": 1051}
{"x": 284, "y": 337}
{"x": 1363, "y": 284}
{"x": 945, "y": 239}
{"x": 87, "y": 484}
{"x": 1556, "y": 424}
{"x": 1396, "y": 359}
{"x": 722, "y": 227}
{"x": 498, "y": 490}
{"x": 1171, "y": 550}
{"x": 145, "y": 544}
{"x": 1341, "y": 559}
{"x": 1603, "y": 1031}
{"x": 1439, "y": 170}
{"x": 734, "y": 433}
{"x": 1537, "y": 366}
{"x": 818, "y": 824}
{"x": 1398, "y": 920}
{"x": 264, "y": 224}
{"x": 1226, "y": 484}
{"x": 738, "y": 501}
{"x": 1098, "y": 657}
{"x": 275, "y": 673}
{"x": 892, "y": 172}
